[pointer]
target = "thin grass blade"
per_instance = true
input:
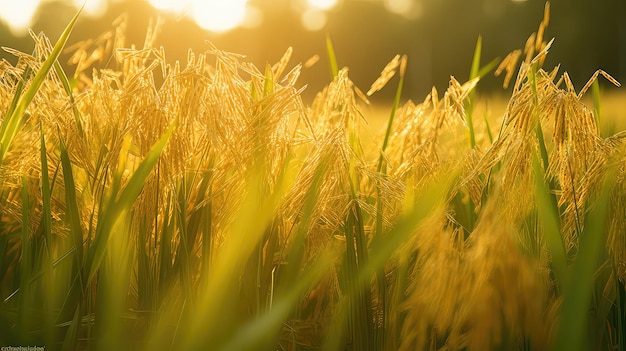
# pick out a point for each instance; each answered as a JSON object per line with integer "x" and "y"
{"x": 332, "y": 58}
{"x": 14, "y": 122}
{"x": 572, "y": 334}
{"x": 120, "y": 206}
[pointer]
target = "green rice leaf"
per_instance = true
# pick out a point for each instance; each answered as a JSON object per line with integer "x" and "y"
{"x": 72, "y": 210}
{"x": 572, "y": 334}
{"x": 117, "y": 207}
{"x": 25, "y": 301}
{"x": 476, "y": 59}
{"x": 45, "y": 192}
{"x": 548, "y": 213}
{"x": 68, "y": 90}
{"x": 332, "y": 58}
{"x": 14, "y": 122}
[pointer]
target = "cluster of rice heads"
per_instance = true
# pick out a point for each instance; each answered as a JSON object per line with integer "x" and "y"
{"x": 204, "y": 205}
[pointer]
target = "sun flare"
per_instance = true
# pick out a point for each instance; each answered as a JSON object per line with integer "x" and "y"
{"x": 18, "y": 15}
{"x": 212, "y": 15}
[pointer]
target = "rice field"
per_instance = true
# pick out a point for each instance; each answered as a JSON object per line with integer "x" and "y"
{"x": 203, "y": 205}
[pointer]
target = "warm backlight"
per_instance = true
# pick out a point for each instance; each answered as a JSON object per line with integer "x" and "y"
{"x": 18, "y": 14}
{"x": 218, "y": 15}
{"x": 213, "y": 15}
{"x": 322, "y": 4}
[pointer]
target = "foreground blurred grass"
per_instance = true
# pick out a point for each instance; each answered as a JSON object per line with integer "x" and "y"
{"x": 203, "y": 205}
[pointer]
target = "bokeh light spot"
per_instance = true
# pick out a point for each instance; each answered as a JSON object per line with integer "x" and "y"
{"x": 407, "y": 8}
{"x": 218, "y": 15}
{"x": 398, "y": 6}
{"x": 313, "y": 19}
{"x": 172, "y": 6}
{"x": 253, "y": 17}
{"x": 322, "y": 4}
{"x": 18, "y": 15}
{"x": 94, "y": 8}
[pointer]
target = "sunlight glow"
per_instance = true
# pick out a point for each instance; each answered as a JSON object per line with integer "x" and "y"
{"x": 398, "y": 6}
{"x": 407, "y": 8}
{"x": 19, "y": 15}
{"x": 172, "y": 6}
{"x": 254, "y": 17}
{"x": 93, "y": 8}
{"x": 322, "y": 4}
{"x": 313, "y": 19}
{"x": 213, "y": 15}
{"x": 218, "y": 15}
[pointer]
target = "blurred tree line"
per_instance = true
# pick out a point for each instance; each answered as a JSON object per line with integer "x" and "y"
{"x": 590, "y": 34}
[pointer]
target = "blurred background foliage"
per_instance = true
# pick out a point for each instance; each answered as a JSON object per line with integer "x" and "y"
{"x": 437, "y": 35}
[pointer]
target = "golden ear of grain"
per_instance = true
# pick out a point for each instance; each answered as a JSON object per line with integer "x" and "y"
{"x": 154, "y": 26}
{"x": 280, "y": 66}
{"x": 509, "y": 64}
{"x": 554, "y": 72}
{"x": 568, "y": 82}
{"x": 361, "y": 95}
{"x": 388, "y": 72}
{"x": 541, "y": 56}
{"x": 593, "y": 78}
{"x": 539, "y": 39}
{"x": 403, "y": 63}
{"x": 529, "y": 47}
{"x": 311, "y": 61}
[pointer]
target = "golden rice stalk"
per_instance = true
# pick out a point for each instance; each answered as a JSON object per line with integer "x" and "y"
{"x": 279, "y": 68}
{"x": 593, "y": 79}
{"x": 504, "y": 291}
{"x": 311, "y": 61}
{"x": 388, "y": 72}
{"x": 509, "y": 64}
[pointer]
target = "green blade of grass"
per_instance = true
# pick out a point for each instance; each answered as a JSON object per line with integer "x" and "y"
{"x": 260, "y": 333}
{"x": 424, "y": 205}
{"x": 71, "y": 336}
{"x": 382, "y": 168}
{"x": 45, "y": 193}
{"x": 14, "y": 122}
{"x": 182, "y": 254}
{"x": 268, "y": 82}
{"x": 116, "y": 208}
{"x": 394, "y": 108}
{"x": 68, "y": 90}
{"x": 16, "y": 96}
{"x": 165, "y": 250}
{"x": 297, "y": 250}
{"x": 488, "y": 128}
{"x": 548, "y": 213}
{"x": 476, "y": 72}
{"x": 25, "y": 301}
{"x": 572, "y": 334}
{"x": 71, "y": 204}
{"x": 476, "y": 58}
{"x": 332, "y": 59}
{"x": 620, "y": 313}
